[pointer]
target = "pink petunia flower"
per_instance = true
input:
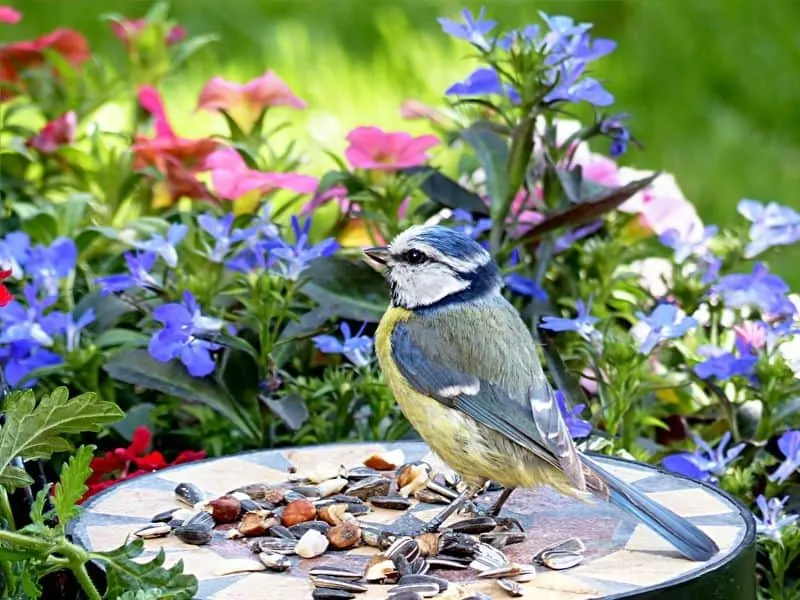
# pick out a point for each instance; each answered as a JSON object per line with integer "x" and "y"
{"x": 127, "y": 29}
{"x": 245, "y": 102}
{"x": 58, "y": 132}
{"x": 373, "y": 148}
{"x": 9, "y": 15}
{"x": 232, "y": 178}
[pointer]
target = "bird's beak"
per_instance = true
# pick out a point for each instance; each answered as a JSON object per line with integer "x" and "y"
{"x": 380, "y": 254}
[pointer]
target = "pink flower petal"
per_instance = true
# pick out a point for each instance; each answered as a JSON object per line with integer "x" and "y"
{"x": 151, "y": 101}
{"x": 271, "y": 90}
{"x": 58, "y": 132}
{"x": 219, "y": 94}
{"x": 9, "y": 15}
{"x": 232, "y": 178}
{"x": 372, "y": 148}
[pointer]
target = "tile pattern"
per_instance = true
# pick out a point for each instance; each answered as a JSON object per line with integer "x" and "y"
{"x": 623, "y": 557}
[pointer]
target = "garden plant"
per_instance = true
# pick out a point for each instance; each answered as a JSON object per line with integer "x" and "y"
{"x": 206, "y": 295}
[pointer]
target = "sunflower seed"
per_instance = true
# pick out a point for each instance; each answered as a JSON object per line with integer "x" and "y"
{"x": 501, "y": 539}
{"x": 274, "y": 561}
{"x": 331, "y": 594}
{"x": 488, "y": 557}
{"x": 559, "y": 560}
{"x": 428, "y": 579}
{"x": 426, "y": 590}
{"x": 442, "y": 490}
{"x": 358, "y": 473}
{"x": 430, "y": 497}
{"x": 474, "y": 526}
{"x": 459, "y": 544}
{"x": 325, "y": 581}
{"x": 512, "y": 587}
{"x": 403, "y": 546}
{"x": 299, "y": 530}
{"x": 249, "y": 505}
{"x": 419, "y": 566}
{"x": 196, "y": 534}
{"x": 372, "y": 486}
{"x": 334, "y": 572}
{"x": 165, "y": 517}
{"x": 447, "y": 562}
{"x": 572, "y": 544}
{"x": 189, "y": 493}
{"x": 390, "y": 502}
{"x": 271, "y": 544}
{"x": 406, "y": 595}
{"x": 512, "y": 570}
{"x": 279, "y": 531}
{"x": 153, "y": 531}
{"x": 201, "y": 518}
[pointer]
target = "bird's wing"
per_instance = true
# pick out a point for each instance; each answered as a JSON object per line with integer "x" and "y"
{"x": 458, "y": 367}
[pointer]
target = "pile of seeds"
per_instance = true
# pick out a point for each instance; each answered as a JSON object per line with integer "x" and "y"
{"x": 313, "y": 513}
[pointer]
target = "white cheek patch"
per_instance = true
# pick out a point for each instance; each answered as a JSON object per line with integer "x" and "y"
{"x": 425, "y": 284}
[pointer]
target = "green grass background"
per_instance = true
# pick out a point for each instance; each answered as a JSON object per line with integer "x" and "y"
{"x": 713, "y": 85}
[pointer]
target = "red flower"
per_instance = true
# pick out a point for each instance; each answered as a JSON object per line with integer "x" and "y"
{"x": 5, "y": 295}
{"x": 9, "y": 15}
{"x": 125, "y": 463}
{"x": 127, "y": 29}
{"x": 178, "y": 159}
{"x": 19, "y": 56}
{"x": 58, "y": 132}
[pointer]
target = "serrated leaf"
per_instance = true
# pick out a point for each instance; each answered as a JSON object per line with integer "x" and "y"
{"x": 492, "y": 153}
{"x": 447, "y": 192}
{"x": 37, "y": 507}
{"x": 346, "y": 288}
{"x": 34, "y": 430}
{"x": 588, "y": 210}
{"x": 14, "y": 477}
{"x": 137, "y": 367}
{"x": 126, "y": 575}
{"x": 72, "y": 484}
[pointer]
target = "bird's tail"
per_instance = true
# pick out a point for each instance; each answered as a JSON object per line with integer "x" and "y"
{"x": 685, "y": 536}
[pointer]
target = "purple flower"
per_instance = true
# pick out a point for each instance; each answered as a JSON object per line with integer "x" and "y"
{"x": 139, "y": 267}
{"x": 292, "y": 259}
{"x": 220, "y": 232}
{"x": 28, "y": 324}
{"x": 61, "y": 323}
{"x": 566, "y": 240}
{"x": 482, "y": 82}
{"x": 48, "y": 265}
{"x": 618, "y": 132}
{"x": 178, "y": 339}
{"x": 583, "y": 324}
{"x": 666, "y": 322}
{"x": 14, "y": 251}
{"x": 724, "y": 365}
{"x": 474, "y": 29}
{"x": 357, "y": 348}
{"x": 578, "y": 428}
{"x": 165, "y": 246}
{"x": 772, "y": 520}
{"x": 689, "y": 244}
{"x": 562, "y": 29}
{"x": 789, "y": 444}
{"x": 705, "y": 463}
{"x": 761, "y": 289}
{"x": 23, "y": 357}
{"x": 568, "y": 85}
{"x": 524, "y": 286}
{"x": 772, "y": 225}
{"x": 468, "y": 225}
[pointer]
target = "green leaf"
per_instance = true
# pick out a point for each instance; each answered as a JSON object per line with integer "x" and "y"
{"x": 588, "y": 210}
{"x": 37, "y": 507}
{"x": 291, "y": 409}
{"x": 333, "y": 178}
{"x": 14, "y": 477}
{"x": 34, "y": 431}
{"x": 137, "y": 367}
{"x": 492, "y": 153}
{"x": 191, "y": 47}
{"x": 234, "y": 342}
{"x": 126, "y": 576}
{"x": 447, "y": 192}
{"x": 122, "y": 337}
{"x": 134, "y": 417}
{"x": 72, "y": 484}
{"x": 346, "y": 288}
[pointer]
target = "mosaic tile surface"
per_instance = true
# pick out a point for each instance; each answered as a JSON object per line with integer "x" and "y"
{"x": 622, "y": 556}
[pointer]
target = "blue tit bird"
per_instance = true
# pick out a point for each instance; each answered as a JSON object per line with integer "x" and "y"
{"x": 465, "y": 371}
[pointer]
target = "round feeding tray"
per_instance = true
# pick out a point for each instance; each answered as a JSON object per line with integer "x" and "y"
{"x": 622, "y": 558}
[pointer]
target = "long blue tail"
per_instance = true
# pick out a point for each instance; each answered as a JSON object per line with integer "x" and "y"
{"x": 686, "y": 537}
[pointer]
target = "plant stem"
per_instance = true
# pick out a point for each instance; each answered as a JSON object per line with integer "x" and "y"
{"x": 78, "y": 567}
{"x": 5, "y": 509}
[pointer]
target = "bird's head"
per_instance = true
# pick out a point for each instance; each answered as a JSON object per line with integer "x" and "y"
{"x": 430, "y": 265}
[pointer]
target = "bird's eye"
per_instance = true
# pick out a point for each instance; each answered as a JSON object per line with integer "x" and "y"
{"x": 414, "y": 257}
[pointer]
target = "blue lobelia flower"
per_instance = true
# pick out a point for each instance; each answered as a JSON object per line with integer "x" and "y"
{"x": 583, "y": 324}
{"x": 292, "y": 259}
{"x": 619, "y": 133}
{"x": 705, "y": 463}
{"x": 723, "y": 365}
{"x": 48, "y": 265}
{"x": 578, "y": 428}
{"x": 524, "y": 286}
{"x": 22, "y": 357}
{"x": 566, "y": 240}
{"x": 357, "y": 348}
{"x": 666, "y": 322}
{"x": 772, "y": 520}
{"x": 138, "y": 275}
{"x": 259, "y": 239}
{"x": 28, "y": 323}
{"x": 469, "y": 225}
{"x": 224, "y": 238}
{"x": 61, "y": 323}
{"x": 562, "y": 29}
{"x": 165, "y": 246}
{"x": 183, "y": 322}
{"x": 569, "y": 85}
{"x": 789, "y": 444}
{"x": 14, "y": 252}
{"x": 688, "y": 244}
{"x": 772, "y": 225}
{"x": 483, "y": 81}
{"x": 473, "y": 29}
{"x": 761, "y": 289}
